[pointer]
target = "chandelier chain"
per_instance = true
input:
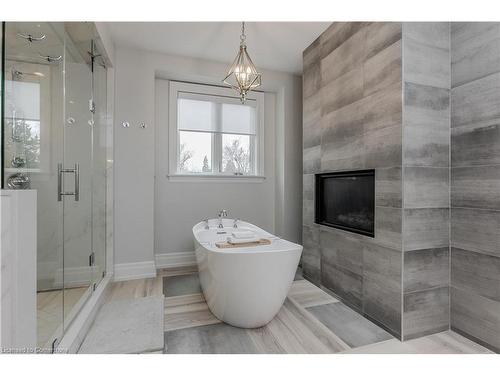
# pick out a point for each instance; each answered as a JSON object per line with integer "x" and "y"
{"x": 242, "y": 36}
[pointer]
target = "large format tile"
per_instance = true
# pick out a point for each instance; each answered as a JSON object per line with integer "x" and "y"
{"x": 476, "y": 187}
{"x": 426, "y": 187}
{"x": 476, "y": 102}
{"x": 425, "y": 312}
{"x": 475, "y": 51}
{"x": 388, "y": 230}
{"x": 425, "y": 61}
{"x": 211, "y": 339}
{"x": 476, "y": 316}
{"x": 436, "y": 34}
{"x": 345, "y": 57}
{"x": 382, "y": 286}
{"x": 311, "y": 159}
{"x": 382, "y": 304}
{"x": 338, "y": 33}
{"x": 344, "y": 283}
{"x": 343, "y": 124}
{"x": 382, "y": 109}
{"x": 311, "y": 256}
{"x": 352, "y": 133}
{"x": 311, "y": 112}
{"x": 475, "y": 144}
{"x": 388, "y": 187}
{"x": 392, "y": 346}
{"x": 311, "y": 79}
{"x": 308, "y": 181}
{"x": 427, "y": 125}
{"x": 426, "y": 228}
{"x": 426, "y": 269}
{"x": 311, "y": 54}
{"x": 384, "y": 264}
{"x": 306, "y": 294}
{"x": 447, "y": 342}
{"x": 295, "y": 323}
{"x": 342, "y": 91}
{"x": 341, "y": 249}
{"x": 308, "y": 210}
{"x": 136, "y": 288}
{"x": 476, "y": 273}
{"x": 476, "y": 230}
{"x": 382, "y": 147}
{"x": 383, "y": 69}
{"x": 187, "y": 311}
{"x": 180, "y": 285}
{"x": 351, "y": 327}
{"x": 381, "y": 35}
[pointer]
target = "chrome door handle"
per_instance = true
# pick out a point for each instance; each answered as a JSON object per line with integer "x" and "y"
{"x": 76, "y": 173}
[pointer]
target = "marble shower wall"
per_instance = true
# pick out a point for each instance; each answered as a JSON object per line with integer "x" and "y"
{"x": 475, "y": 181}
{"x": 352, "y": 88}
{"x": 426, "y": 181}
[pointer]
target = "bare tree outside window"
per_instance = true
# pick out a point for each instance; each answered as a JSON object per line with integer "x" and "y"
{"x": 236, "y": 158}
{"x": 184, "y": 156}
{"x": 205, "y": 167}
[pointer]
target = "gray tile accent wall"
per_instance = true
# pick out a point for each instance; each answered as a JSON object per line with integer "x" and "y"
{"x": 311, "y": 113}
{"x": 426, "y": 178}
{"x": 426, "y": 117}
{"x": 475, "y": 181}
{"x": 356, "y": 125}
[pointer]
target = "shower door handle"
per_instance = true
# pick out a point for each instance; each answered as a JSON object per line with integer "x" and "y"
{"x": 60, "y": 181}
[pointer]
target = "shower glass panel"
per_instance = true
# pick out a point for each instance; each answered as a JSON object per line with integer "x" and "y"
{"x": 33, "y": 145}
{"x": 54, "y": 141}
{"x": 99, "y": 169}
{"x": 76, "y": 181}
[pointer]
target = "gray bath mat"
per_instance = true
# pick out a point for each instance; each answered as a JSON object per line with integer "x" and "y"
{"x": 127, "y": 326}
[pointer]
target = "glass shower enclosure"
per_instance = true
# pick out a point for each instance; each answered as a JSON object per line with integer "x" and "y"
{"x": 54, "y": 141}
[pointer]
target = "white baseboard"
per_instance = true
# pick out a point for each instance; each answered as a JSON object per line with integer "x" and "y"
{"x": 131, "y": 271}
{"x": 73, "y": 277}
{"x": 170, "y": 260}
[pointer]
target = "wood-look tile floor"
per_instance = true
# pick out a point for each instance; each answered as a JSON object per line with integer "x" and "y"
{"x": 50, "y": 311}
{"x": 310, "y": 321}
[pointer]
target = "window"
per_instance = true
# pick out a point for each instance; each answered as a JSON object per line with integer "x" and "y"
{"x": 27, "y": 118}
{"x": 212, "y": 133}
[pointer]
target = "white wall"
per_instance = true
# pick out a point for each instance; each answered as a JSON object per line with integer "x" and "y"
{"x": 176, "y": 206}
{"x": 248, "y": 200}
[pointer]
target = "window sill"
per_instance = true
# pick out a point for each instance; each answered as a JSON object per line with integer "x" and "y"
{"x": 214, "y": 178}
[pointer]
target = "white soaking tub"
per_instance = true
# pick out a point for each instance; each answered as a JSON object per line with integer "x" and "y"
{"x": 245, "y": 286}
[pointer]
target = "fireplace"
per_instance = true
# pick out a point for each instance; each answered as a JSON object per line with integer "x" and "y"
{"x": 346, "y": 200}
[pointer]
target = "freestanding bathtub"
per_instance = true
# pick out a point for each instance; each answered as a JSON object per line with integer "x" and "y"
{"x": 245, "y": 286}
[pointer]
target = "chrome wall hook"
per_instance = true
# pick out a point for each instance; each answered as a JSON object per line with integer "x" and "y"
{"x": 49, "y": 58}
{"x": 30, "y": 38}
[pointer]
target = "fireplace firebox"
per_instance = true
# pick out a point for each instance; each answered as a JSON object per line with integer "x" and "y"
{"x": 346, "y": 201}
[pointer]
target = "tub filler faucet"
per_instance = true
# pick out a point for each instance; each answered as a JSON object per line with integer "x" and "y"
{"x": 222, "y": 214}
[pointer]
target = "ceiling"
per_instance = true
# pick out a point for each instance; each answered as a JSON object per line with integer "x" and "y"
{"x": 271, "y": 45}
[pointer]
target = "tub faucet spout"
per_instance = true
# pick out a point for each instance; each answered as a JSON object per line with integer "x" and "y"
{"x": 222, "y": 214}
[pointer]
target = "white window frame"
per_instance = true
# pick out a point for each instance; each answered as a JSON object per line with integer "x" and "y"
{"x": 175, "y": 88}
{"x": 45, "y": 114}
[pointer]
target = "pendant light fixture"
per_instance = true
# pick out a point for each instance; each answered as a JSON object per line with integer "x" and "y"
{"x": 243, "y": 75}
